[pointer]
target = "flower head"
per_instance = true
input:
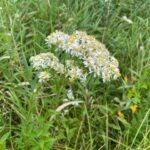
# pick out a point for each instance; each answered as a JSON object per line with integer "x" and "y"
{"x": 43, "y": 76}
{"x": 70, "y": 94}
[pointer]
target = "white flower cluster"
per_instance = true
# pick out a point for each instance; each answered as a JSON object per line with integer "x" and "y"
{"x": 43, "y": 76}
{"x": 46, "y": 61}
{"x": 74, "y": 72}
{"x": 93, "y": 54}
{"x": 70, "y": 94}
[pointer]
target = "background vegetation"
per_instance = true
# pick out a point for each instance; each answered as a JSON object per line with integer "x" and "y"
{"x": 105, "y": 120}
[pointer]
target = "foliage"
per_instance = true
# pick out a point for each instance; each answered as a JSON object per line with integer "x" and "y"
{"x": 105, "y": 119}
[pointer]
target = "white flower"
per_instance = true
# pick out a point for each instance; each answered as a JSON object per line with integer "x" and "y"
{"x": 76, "y": 104}
{"x": 24, "y": 84}
{"x": 43, "y": 76}
{"x": 66, "y": 111}
{"x": 127, "y": 20}
{"x": 83, "y": 78}
{"x": 65, "y": 100}
{"x": 70, "y": 94}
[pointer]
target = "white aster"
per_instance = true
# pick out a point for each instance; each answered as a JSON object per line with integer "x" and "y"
{"x": 43, "y": 76}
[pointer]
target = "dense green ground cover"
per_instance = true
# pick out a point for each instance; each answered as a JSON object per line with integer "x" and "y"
{"x": 105, "y": 119}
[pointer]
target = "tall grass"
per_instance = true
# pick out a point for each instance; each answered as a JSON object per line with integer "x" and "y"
{"x": 26, "y": 109}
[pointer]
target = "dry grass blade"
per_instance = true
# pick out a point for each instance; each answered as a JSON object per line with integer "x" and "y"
{"x": 64, "y": 105}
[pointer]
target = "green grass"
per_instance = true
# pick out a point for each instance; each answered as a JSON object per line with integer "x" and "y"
{"x": 25, "y": 114}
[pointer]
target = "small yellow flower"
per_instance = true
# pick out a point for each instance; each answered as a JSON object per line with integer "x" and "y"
{"x": 120, "y": 114}
{"x": 134, "y": 108}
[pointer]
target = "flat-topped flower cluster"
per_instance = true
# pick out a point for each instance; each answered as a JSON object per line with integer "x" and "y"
{"x": 94, "y": 56}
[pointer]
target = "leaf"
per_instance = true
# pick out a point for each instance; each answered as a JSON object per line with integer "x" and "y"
{"x": 3, "y": 141}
